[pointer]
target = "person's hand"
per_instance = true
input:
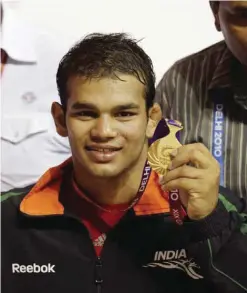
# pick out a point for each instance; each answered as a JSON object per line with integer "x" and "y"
{"x": 154, "y": 117}
{"x": 196, "y": 174}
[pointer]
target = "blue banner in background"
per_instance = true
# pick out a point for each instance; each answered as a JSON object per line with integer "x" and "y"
{"x": 218, "y": 139}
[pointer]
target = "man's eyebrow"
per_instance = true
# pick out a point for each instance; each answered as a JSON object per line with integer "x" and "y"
{"x": 90, "y": 106}
{"x": 83, "y": 105}
{"x": 130, "y": 106}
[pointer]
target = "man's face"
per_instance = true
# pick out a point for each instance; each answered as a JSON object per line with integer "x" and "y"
{"x": 231, "y": 19}
{"x": 106, "y": 122}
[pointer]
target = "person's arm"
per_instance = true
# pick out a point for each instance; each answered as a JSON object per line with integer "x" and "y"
{"x": 219, "y": 244}
{"x": 216, "y": 222}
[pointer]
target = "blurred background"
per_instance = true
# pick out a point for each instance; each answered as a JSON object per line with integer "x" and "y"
{"x": 169, "y": 29}
{"x": 35, "y": 34}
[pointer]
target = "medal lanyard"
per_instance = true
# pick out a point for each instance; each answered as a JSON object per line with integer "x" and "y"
{"x": 176, "y": 209}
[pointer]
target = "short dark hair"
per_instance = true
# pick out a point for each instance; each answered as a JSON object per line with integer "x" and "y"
{"x": 214, "y": 5}
{"x": 106, "y": 55}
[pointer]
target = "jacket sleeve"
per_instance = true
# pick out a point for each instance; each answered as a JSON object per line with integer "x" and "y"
{"x": 219, "y": 244}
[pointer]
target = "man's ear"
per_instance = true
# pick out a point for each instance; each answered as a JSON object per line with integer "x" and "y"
{"x": 59, "y": 119}
{"x": 215, "y": 6}
{"x": 154, "y": 116}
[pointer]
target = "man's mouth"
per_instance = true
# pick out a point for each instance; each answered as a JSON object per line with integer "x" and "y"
{"x": 102, "y": 154}
{"x": 105, "y": 150}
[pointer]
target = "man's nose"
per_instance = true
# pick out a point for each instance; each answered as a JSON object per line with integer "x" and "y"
{"x": 104, "y": 128}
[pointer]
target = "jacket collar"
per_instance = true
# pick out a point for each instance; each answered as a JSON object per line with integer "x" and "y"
{"x": 43, "y": 199}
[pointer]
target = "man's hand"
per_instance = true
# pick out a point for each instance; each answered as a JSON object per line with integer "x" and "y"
{"x": 198, "y": 182}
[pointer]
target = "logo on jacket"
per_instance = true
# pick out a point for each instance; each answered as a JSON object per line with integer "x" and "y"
{"x": 33, "y": 268}
{"x": 175, "y": 259}
{"x": 100, "y": 240}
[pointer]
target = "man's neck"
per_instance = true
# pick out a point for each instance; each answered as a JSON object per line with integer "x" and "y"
{"x": 116, "y": 190}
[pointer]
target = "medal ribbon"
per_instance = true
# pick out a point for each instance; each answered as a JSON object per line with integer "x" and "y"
{"x": 177, "y": 211}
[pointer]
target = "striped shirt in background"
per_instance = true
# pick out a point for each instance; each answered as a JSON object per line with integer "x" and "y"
{"x": 189, "y": 92}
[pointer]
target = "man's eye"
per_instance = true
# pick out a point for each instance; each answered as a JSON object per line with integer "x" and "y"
{"x": 86, "y": 114}
{"x": 125, "y": 114}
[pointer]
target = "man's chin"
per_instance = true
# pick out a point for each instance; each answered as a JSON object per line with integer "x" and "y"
{"x": 105, "y": 172}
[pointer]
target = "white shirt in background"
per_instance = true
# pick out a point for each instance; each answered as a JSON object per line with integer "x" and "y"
{"x": 29, "y": 142}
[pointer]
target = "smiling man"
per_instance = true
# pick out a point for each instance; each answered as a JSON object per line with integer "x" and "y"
{"x": 207, "y": 92}
{"x": 100, "y": 222}
{"x": 106, "y": 119}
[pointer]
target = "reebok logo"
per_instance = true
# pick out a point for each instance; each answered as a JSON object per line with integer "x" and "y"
{"x": 175, "y": 259}
{"x": 34, "y": 268}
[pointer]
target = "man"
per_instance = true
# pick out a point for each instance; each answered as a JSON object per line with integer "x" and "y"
{"x": 100, "y": 221}
{"x": 207, "y": 92}
{"x": 29, "y": 141}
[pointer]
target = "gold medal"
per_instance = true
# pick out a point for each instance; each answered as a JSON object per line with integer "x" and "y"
{"x": 159, "y": 153}
{"x": 159, "y": 158}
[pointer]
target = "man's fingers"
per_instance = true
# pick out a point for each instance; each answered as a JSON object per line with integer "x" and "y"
{"x": 195, "y": 146}
{"x": 188, "y": 155}
{"x": 201, "y": 147}
{"x": 186, "y": 184}
{"x": 183, "y": 172}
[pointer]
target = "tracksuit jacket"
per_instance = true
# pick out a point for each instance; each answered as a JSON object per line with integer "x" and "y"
{"x": 46, "y": 249}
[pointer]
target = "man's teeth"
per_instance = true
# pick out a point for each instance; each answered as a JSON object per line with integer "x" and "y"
{"x": 103, "y": 150}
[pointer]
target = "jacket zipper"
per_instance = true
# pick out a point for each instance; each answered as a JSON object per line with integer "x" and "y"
{"x": 98, "y": 274}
